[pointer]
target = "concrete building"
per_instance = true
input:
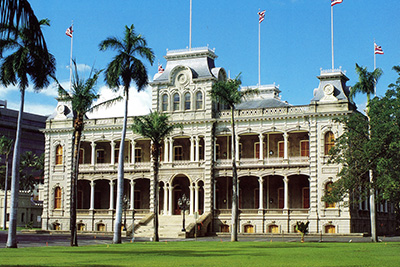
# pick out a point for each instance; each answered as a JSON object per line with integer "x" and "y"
{"x": 282, "y": 159}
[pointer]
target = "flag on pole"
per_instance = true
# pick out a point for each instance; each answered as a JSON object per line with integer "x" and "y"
{"x": 335, "y": 2}
{"x": 261, "y": 16}
{"x": 378, "y": 49}
{"x": 160, "y": 68}
{"x": 69, "y": 31}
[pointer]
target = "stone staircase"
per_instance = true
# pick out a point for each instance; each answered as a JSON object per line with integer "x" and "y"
{"x": 169, "y": 227}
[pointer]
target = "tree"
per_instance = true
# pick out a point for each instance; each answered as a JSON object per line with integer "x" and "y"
{"x": 5, "y": 149}
{"x": 26, "y": 62}
{"x": 156, "y": 127}
{"x": 302, "y": 228}
{"x": 82, "y": 97}
{"x": 366, "y": 85}
{"x": 124, "y": 69}
{"x": 228, "y": 93}
{"x": 31, "y": 166}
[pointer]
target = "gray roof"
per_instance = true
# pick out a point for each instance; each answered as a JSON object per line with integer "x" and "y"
{"x": 262, "y": 103}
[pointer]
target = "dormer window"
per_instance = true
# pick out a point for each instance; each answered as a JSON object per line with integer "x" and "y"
{"x": 199, "y": 100}
{"x": 176, "y": 101}
{"x": 164, "y": 102}
{"x": 187, "y": 101}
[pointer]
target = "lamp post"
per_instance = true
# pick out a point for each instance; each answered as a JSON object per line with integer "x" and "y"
{"x": 183, "y": 204}
{"x": 125, "y": 202}
{"x": 133, "y": 225}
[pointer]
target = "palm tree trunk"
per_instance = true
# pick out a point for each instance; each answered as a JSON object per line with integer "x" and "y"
{"x": 74, "y": 185}
{"x": 5, "y": 196}
{"x": 120, "y": 178}
{"x": 234, "y": 233}
{"x": 12, "y": 230}
{"x": 155, "y": 152}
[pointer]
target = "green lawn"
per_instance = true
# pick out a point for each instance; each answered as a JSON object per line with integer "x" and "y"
{"x": 209, "y": 254}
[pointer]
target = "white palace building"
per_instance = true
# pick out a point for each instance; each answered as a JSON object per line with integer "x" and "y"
{"x": 282, "y": 159}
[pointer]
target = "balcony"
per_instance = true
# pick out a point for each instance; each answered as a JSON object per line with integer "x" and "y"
{"x": 268, "y": 162}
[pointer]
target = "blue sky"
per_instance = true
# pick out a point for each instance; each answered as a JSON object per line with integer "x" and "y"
{"x": 295, "y": 40}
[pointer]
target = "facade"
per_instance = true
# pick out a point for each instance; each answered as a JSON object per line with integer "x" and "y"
{"x": 281, "y": 156}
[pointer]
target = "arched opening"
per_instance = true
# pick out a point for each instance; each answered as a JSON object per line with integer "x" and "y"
{"x": 299, "y": 192}
{"x": 142, "y": 193}
{"x": 80, "y": 227}
{"x": 273, "y": 228}
{"x": 248, "y": 192}
{"x": 224, "y": 228}
{"x": 56, "y": 226}
{"x": 180, "y": 186}
{"x": 274, "y": 192}
{"x": 101, "y": 227}
{"x": 102, "y": 194}
{"x": 329, "y": 142}
{"x": 83, "y": 197}
{"x": 330, "y": 229}
{"x": 249, "y": 229}
{"x": 57, "y": 197}
{"x": 224, "y": 193}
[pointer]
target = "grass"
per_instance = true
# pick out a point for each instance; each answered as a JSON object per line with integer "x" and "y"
{"x": 208, "y": 254}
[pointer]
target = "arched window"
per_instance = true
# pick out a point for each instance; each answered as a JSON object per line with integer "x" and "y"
{"x": 273, "y": 229}
{"x": 330, "y": 229}
{"x": 176, "y": 101}
{"x": 187, "y": 101}
{"x": 249, "y": 229}
{"x": 328, "y": 188}
{"x": 57, "y": 198}
{"x": 59, "y": 155}
{"x": 165, "y": 102}
{"x": 329, "y": 142}
{"x": 199, "y": 100}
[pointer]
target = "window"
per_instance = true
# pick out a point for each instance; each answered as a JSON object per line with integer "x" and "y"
{"x": 178, "y": 153}
{"x": 176, "y": 101}
{"x": 100, "y": 155}
{"x": 328, "y": 188}
{"x": 217, "y": 151}
{"x": 199, "y": 100}
{"x": 249, "y": 229}
{"x": 57, "y": 198}
{"x": 138, "y": 154}
{"x": 59, "y": 155}
{"x": 273, "y": 229}
{"x": 101, "y": 227}
{"x": 304, "y": 148}
{"x": 165, "y": 102}
{"x": 80, "y": 227}
{"x": 306, "y": 198}
{"x": 281, "y": 149}
{"x": 187, "y": 101}
{"x": 56, "y": 226}
{"x": 329, "y": 142}
{"x": 257, "y": 150}
{"x": 330, "y": 229}
{"x": 81, "y": 156}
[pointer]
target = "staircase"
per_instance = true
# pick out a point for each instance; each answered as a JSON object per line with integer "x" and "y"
{"x": 169, "y": 227}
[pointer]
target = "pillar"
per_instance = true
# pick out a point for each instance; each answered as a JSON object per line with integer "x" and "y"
{"x": 92, "y": 184}
{"x": 166, "y": 199}
{"x": 171, "y": 147}
{"x": 192, "y": 148}
{"x": 166, "y": 146}
{"x": 237, "y": 147}
{"x": 132, "y": 195}
{"x": 261, "y": 193}
{"x": 93, "y": 159}
{"x": 111, "y": 195}
{"x": 197, "y": 148}
{"x": 112, "y": 152}
{"x": 191, "y": 188}
{"x": 133, "y": 145}
{"x": 170, "y": 200}
{"x": 261, "y": 147}
{"x": 196, "y": 198}
{"x": 286, "y": 192}
{"x": 286, "y": 146}
{"x": 214, "y": 194}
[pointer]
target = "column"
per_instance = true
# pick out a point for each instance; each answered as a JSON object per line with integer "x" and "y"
{"x": 268, "y": 192}
{"x": 215, "y": 149}
{"x": 197, "y": 148}
{"x": 237, "y": 147}
{"x": 191, "y": 188}
{"x": 166, "y": 146}
{"x": 92, "y": 184}
{"x": 286, "y": 147}
{"x": 192, "y": 148}
{"x": 261, "y": 193}
{"x": 93, "y": 160}
{"x": 171, "y": 147}
{"x": 111, "y": 194}
{"x": 215, "y": 194}
{"x": 112, "y": 152}
{"x": 166, "y": 199}
{"x": 196, "y": 198}
{"x": 133, "y": 145}
{"x": 261, "y": 147}
{"x": 132, "y": 195}
{"x": 170, "y": 200}
{"x": 286, "y": 192}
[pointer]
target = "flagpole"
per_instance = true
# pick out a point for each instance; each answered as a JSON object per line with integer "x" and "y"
{"x": 70, "y": 59}
{"x": 190, "y": 30}
{"x": 259, "y": 53}
{"x": 374, "y": 68}
{"x": 333, "y": 60}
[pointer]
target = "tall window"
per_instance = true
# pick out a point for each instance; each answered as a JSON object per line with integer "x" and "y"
{"x": 199, "y": 100}
{"x": 164, "y": 102}
{"x": 100, "y": 155}
{"x": 304, "y": 148}
{"x": 176, "y": 101}
{"x": 59, "y": 155}
{"x": 178, "y": 152}
{"x": 57, "y": 198}
{"x": 329, "y": 142}
{"x": 328, "y": 188}
{"x": 81, "y": 155}
{"x": 281, "y": 149}
{"x": 187, "y": 101}
{"x": 306, "y": 197}
{"x": 138, "y": 154}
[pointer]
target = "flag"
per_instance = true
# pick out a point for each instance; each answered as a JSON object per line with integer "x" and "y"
{"x": 378, "y": 49}
{"x": 160, "y": 68}
{"x": 334, "y": 2}
{"x": 261, "y": 16}
{"x": 69, "y": 31}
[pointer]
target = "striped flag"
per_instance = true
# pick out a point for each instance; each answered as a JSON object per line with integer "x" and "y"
{"x": 261, "y": 16}
{"x": 69, "y": 31}
{"x": 160, "y": 68}
{"x": 378, "y": 49}
{"x": 334, "y": 2}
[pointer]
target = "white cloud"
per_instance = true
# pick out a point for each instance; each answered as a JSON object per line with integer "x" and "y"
{"x": 4, "y": 91}
{"x": 40, "y": 109}
{"x": 139, "y": 103}
{"x": 81, "y": 68}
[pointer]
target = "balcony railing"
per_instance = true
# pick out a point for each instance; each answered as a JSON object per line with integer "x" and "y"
{"x": 265, "y": 162}
{"x": 292, "y": 110}
{"x": 292, "y": 211}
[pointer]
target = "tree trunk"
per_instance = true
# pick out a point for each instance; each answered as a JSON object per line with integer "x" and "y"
{"x": 234, "y": 232}
{"x": 12, "y": 230}
{"x": 372, "y": 210}
{"x": 5, "y": 196}
{"x": 120, "y": 178}
{"x": 155, "y": 153}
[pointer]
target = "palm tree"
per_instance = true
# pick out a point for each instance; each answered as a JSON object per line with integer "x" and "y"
{"x": 5, "y": 149}
{"x": 82, "y": 97}
{"x": 228, "y": 93}
{"x": 154, "y": 126}
{"x": 27, "y": 60}
{"x": 121, "y": 71}
{"x": 366, "y": 85}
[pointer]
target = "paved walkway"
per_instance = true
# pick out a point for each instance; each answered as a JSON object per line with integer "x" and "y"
{"x": 53, "y": 239}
